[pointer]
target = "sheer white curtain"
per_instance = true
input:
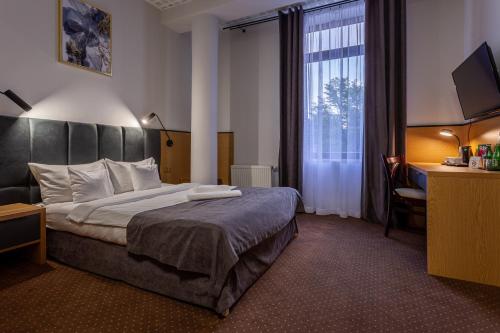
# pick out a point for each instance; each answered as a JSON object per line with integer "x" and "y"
{"x": 333, "y": 110}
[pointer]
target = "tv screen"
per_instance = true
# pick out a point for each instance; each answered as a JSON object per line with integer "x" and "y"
{"x": 478, "y": 84}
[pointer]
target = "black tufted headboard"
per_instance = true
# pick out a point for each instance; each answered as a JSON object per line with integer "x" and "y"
{"x": 24, "y": 140}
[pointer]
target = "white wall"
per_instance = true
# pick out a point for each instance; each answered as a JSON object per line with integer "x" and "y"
{"x": 254, "y": 94}
{"x": 152, "y": 69}
{"x": 177, "y": 97}
{"x": 435, "y": 47}
{"x": 482, "y": 24}
{"x": 224, "y": 116}
{"x": 178, "y": 83}
{"x": 140, "y": 82}
{"x": 204, "y": 98}
{"x": 440, "y": 35}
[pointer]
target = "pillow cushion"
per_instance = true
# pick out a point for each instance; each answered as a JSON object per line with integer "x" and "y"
{"x": 88, "y": 185}
{"x": 119, "y": 172}
{"x": 54, "y": 180}
{"x": 145, "y": 177}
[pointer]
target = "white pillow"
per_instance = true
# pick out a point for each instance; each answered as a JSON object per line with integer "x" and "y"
{"x": 145, "y": 177}
{"x": 88, "y": 185}
{"x": 119, "y": 172}
{"x": 54, "y": 180}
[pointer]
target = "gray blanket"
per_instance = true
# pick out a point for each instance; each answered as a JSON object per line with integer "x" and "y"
{"x": 206, "y": 237}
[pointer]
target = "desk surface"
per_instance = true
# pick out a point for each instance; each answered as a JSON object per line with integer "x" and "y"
{"x": 439, "y": 169}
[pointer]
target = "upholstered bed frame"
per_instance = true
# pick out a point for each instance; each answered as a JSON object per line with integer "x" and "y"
{"x": 24, "y": 140}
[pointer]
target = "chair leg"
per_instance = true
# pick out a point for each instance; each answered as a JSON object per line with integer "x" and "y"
{"x": 388, "y": 222}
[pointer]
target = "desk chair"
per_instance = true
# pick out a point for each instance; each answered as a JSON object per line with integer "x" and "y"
{"x": 400, "y": 197}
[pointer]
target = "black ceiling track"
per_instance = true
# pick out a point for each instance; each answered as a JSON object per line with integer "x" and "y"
{"x": 274, "y": 18}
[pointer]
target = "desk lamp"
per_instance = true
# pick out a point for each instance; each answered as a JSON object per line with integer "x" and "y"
{"x": 449, "y": 132}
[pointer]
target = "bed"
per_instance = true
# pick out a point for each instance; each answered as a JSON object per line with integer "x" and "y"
{"x": 203, "y": 252}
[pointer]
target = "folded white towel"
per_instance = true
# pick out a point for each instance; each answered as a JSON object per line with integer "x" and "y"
{"x": 213, "y": 195}
{"x": 213, "y": 188}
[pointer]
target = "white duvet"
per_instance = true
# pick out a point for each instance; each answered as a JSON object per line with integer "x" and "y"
{"x": 56, "y": 220}
{"x": 107, "y": 219}
{"x": 118, "y": 210}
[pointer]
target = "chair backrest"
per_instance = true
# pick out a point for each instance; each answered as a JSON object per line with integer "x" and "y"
{"x": 391, "y": 166}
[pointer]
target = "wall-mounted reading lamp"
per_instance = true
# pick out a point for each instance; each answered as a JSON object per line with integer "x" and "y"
{"x": 146, "y": 119}
{"x": 16, "y": 99}
{"x": 449, "y": 132}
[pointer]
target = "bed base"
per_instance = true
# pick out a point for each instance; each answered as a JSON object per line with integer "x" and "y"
{"x": 113, "y": 261}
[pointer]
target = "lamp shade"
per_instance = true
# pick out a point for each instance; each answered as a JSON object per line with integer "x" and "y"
{"x": 147, "y": 118}
{"x": 446, "y": 132}
{"x": 18, "y": 100}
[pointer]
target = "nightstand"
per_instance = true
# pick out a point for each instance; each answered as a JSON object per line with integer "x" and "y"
{"x": 22, "y": 226}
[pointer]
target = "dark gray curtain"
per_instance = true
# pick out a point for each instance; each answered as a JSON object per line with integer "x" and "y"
{"x": 291, "y": 25}
{"x": 385, "y": 98}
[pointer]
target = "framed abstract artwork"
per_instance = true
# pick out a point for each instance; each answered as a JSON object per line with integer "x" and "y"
{"x": 84, "y": 36}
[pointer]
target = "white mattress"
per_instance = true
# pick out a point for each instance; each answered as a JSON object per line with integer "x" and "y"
{"x": 56, "y": 220}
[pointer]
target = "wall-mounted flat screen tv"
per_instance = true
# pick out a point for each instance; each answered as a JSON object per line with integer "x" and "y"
{"x": 478, "y": 84}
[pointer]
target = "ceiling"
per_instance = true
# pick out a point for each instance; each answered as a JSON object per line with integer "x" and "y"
{"x": 178, "y": 14}
{"x": 167, "y": 4}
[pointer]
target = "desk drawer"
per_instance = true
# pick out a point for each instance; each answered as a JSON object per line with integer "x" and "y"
{"x": 19, "y": 231}
{"x": 418, "y": 178}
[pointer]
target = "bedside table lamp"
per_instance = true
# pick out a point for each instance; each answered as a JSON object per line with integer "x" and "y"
{"x": 146, "y": 119}
{"x": 16, "y": 99}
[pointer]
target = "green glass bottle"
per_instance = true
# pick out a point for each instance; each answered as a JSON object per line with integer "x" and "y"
{"x": 488, "y": 160}
{"x": 495, "y": 162}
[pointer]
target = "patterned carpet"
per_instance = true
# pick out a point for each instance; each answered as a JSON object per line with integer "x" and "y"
{"x": 337, "y": 276}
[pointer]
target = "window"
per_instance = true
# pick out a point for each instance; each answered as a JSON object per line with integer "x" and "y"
{"x": 334, "y": 77}
{"x": 333, "y": 109}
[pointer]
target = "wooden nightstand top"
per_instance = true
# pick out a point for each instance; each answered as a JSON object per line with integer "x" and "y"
{"x": 9, "y": 212}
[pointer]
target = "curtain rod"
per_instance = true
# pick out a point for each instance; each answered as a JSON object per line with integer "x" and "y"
{"x": 273, "y": 18}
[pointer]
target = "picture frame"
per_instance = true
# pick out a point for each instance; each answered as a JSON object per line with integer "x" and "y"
{"x": 84, "y": 36}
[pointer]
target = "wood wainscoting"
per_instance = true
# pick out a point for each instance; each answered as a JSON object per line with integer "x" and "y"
{"x": 176, "y": 160}
{"x": 425, "y": 144}
{"x": 225, "y": 156}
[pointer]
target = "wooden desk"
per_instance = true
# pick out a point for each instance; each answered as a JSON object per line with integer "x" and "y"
{"x": 463, "y": 221}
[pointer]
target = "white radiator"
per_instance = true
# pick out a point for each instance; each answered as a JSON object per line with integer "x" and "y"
{"x": 251, "y": 175}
